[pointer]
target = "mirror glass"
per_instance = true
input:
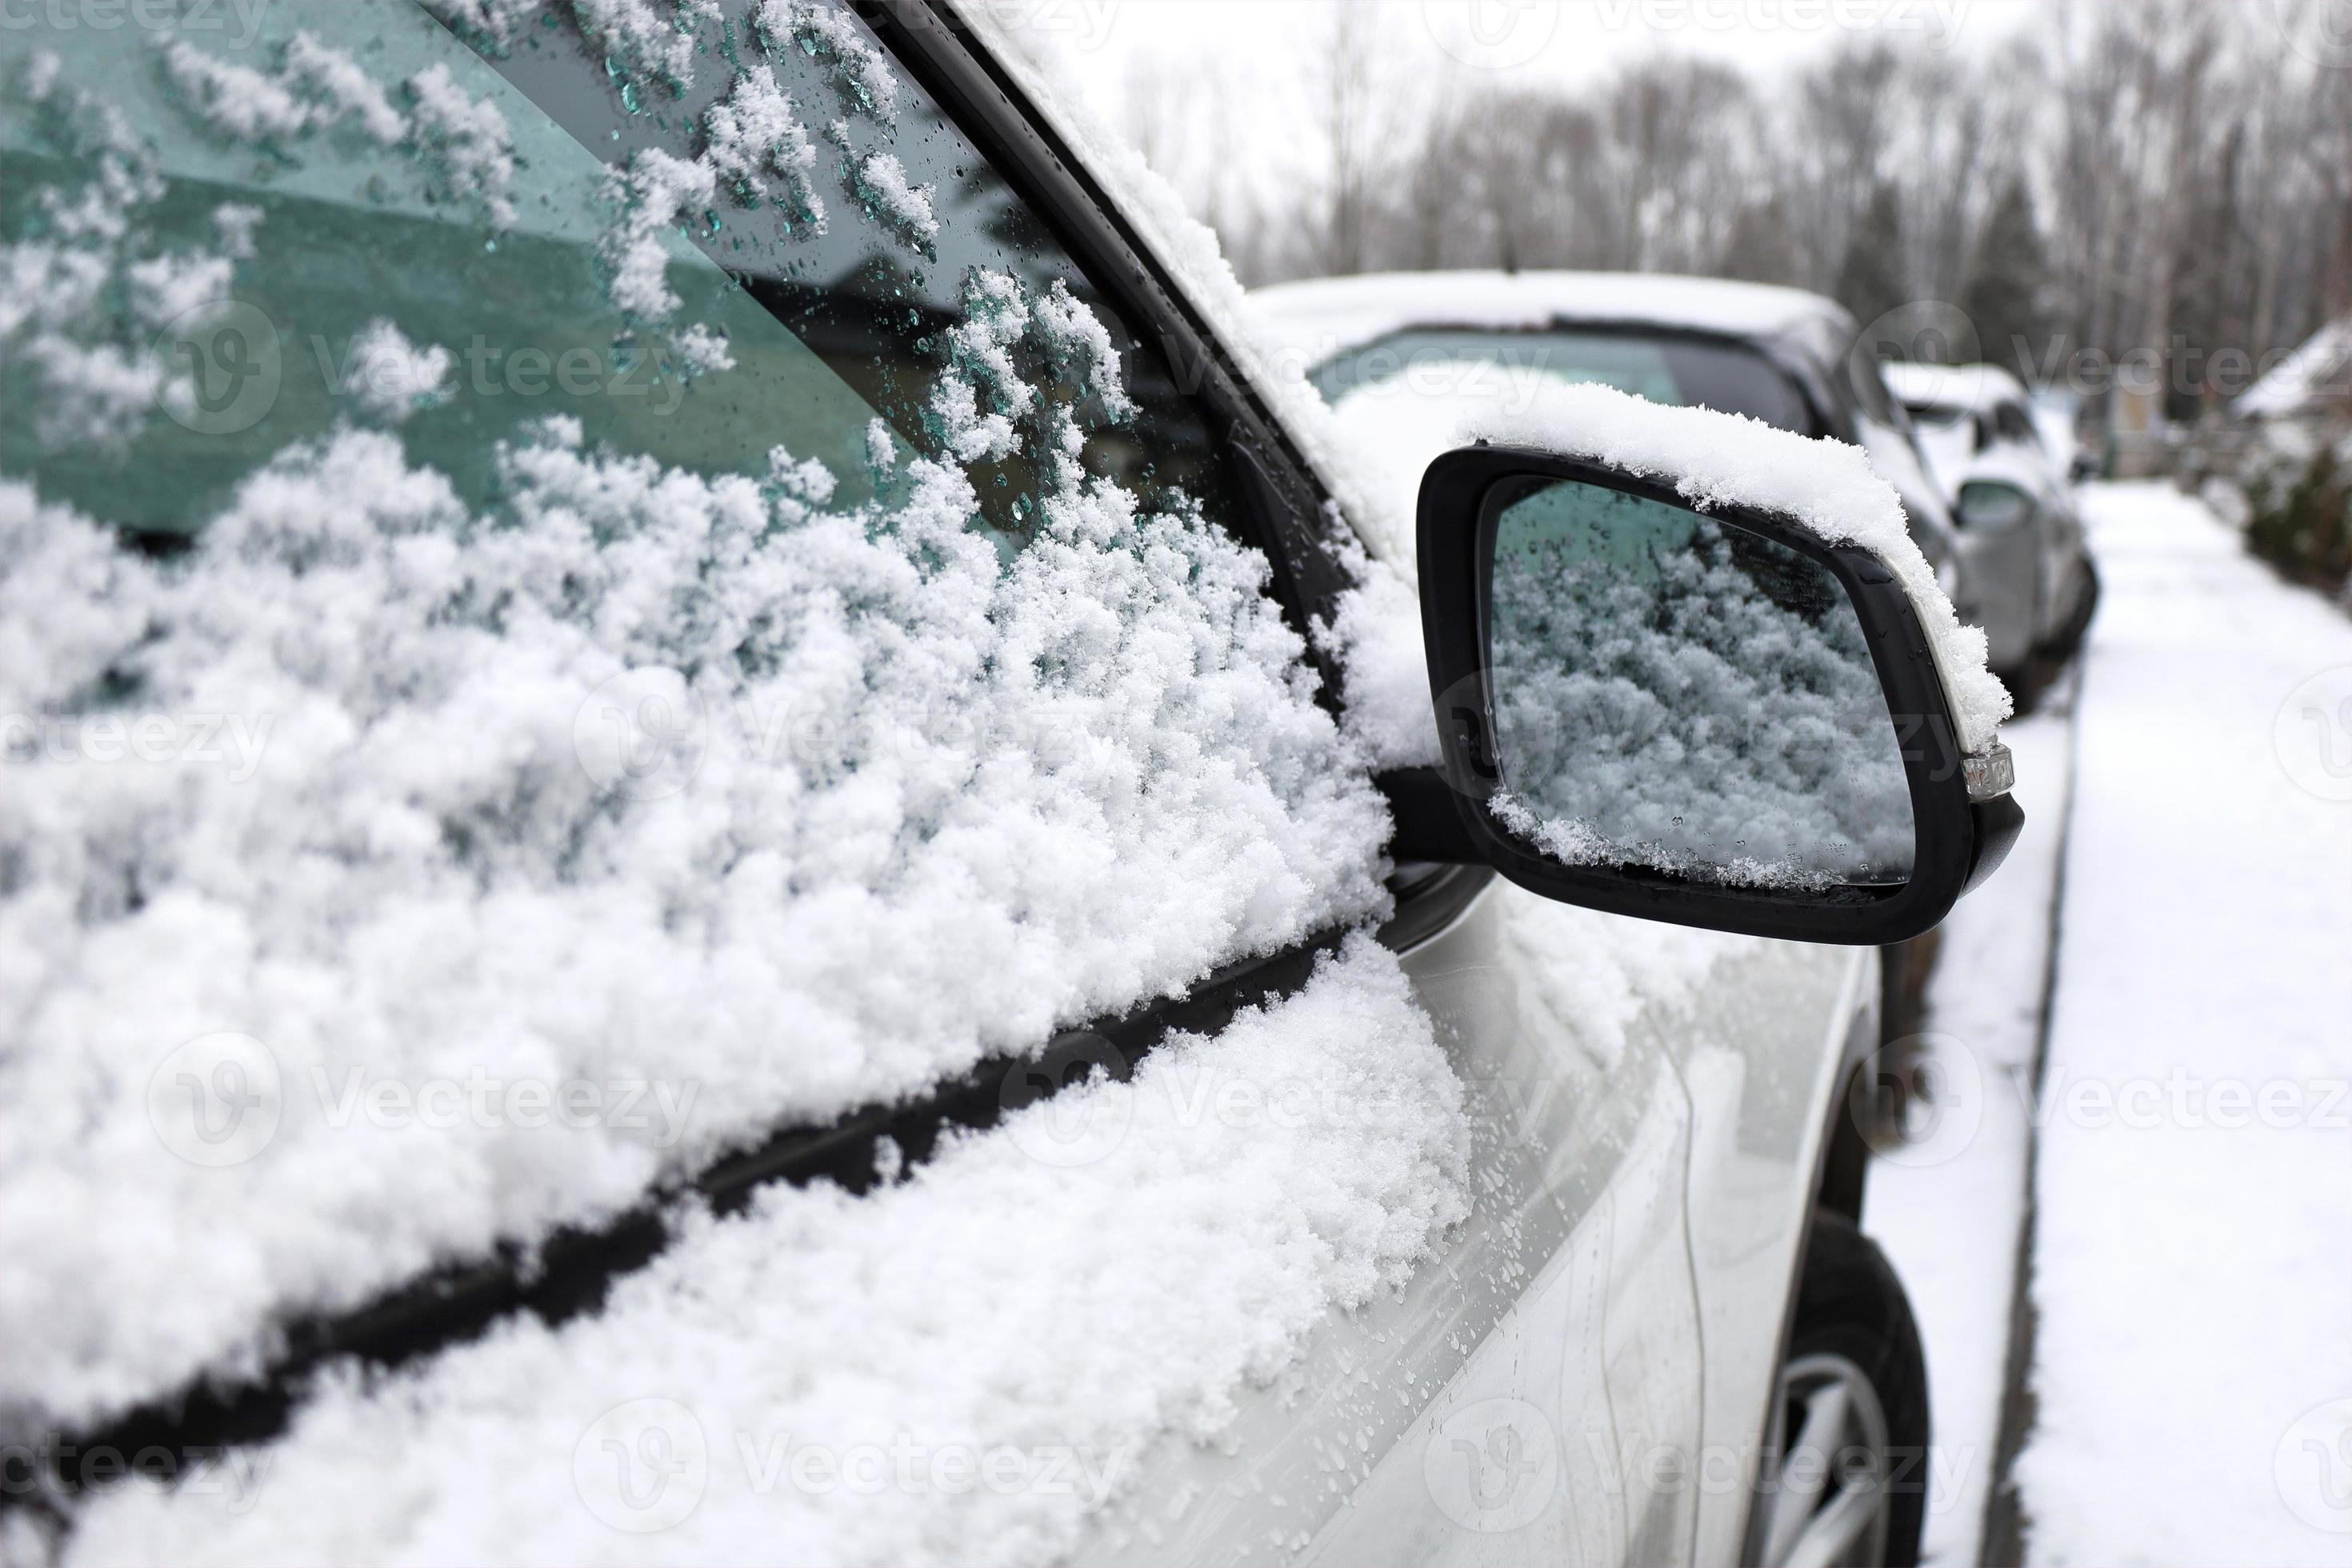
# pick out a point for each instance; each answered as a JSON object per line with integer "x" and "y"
{"x": 1679, "y": 694}
{"x": 1992, "y": 506}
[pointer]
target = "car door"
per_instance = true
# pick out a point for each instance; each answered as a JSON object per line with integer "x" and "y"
{"x": 1584, "y": 1373}
{"x": 1544, "y": 1382}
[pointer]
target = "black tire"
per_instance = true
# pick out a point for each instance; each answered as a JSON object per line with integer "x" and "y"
{"x": 1849, "y": 1305}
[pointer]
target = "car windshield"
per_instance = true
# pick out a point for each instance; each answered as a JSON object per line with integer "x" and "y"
{"x": 1405, "y": 396}
{"x": 1473, "y": 365}
{"x": 1934, "y": 416}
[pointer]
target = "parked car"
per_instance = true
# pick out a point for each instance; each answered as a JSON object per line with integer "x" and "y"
{"x": 802, "y": 963}
{"x": 2013, "y": 496}
{"x": 1379, "y": 348}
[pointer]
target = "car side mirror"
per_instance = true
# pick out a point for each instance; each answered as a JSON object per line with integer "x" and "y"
{"x": 1992, "y": 506}
{"x": 1710, "y": 717}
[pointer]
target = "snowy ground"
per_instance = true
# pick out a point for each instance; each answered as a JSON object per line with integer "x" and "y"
{"x": 1946, "y": 1206}
{"x": 2190, "y": 1378}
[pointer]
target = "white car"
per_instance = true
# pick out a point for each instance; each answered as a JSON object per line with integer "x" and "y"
{"x": 2012, "y": 497}
{"x": 727, "y": 839}
{"x": 1404, "y": 356}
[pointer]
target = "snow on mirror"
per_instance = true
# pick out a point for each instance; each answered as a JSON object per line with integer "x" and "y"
{"x": 1676, "y": 693}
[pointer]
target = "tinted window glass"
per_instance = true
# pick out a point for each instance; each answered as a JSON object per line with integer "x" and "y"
{"x": 835, "y": 274}
{"x": 1497, "y": 365}
{"x": 2013, "y": 424}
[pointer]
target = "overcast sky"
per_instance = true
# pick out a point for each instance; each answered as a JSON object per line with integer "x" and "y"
{"x": 1567, "y": 40}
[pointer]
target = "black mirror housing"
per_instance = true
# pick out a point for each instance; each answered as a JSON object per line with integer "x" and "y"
{"x": 1957, "y": 840}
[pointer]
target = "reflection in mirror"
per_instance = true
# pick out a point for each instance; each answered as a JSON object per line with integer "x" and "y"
{"x": 1676, "y": 693}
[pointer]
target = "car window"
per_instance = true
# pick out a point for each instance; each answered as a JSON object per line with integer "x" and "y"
{"x": 832, "y": 302}
{"x": 2013, "y": 424}
{"x": 600, "y": 551}
{"x": 1936, "y": 415}
{"x": 1870, "y": 394}
{"x": 1470, "y": 365}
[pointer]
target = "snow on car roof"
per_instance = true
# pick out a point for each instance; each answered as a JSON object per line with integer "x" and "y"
{"x": 1951, "y": 386}
{"x": 1322, "y": 317}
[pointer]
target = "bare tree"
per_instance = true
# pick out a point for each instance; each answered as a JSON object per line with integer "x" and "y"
{"x": 1344, "y": 84}
{"x": 2183, "y": 171}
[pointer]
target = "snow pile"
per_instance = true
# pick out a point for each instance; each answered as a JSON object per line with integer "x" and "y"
{"x": 1705, "y": 711}
{"x": 653, "y": 37}
{"x": 467, "y": 140}
{"x": 373, "y": 824}
{"x": 1046, "y": 791}
{"x": 464, "y": 142}
{"x": 755, "y": 136}
{"x": 1716, "y": 459}
{"x": 750, "y": 136}
{"x": 653, "y": 193}
{"x": 1973, "y": 388}
{"x": 959, "y": 1367}
{"x": 879, "y": 181}
{"x": 97, "y": 370}
{"x": 1375, "y": 633}
{"x": 391, "y": 378}
{"x": 617, "y": 786}
{"x": 823, "y": 32}
{"x": 315, "y": 88}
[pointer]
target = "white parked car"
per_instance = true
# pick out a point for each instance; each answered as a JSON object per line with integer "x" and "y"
{"x": 1404, "y": 356}
{"x": 2012, "y": 497}
{"x": 727, "y": 839}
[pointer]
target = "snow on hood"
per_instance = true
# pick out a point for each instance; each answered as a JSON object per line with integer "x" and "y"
{"x": 1716, "y": 459}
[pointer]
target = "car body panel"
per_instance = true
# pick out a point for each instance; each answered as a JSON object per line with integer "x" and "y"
{"x": 1607, "y": 1318}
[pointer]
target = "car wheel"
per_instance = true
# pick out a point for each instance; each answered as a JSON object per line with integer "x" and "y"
{"x": 1845, "y": 1479}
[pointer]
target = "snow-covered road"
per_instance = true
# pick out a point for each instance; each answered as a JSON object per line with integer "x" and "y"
{"x": 2190, "y": 1378}
{"x": 2193, "y": 1268}
{"x": 1947, "y": 1206}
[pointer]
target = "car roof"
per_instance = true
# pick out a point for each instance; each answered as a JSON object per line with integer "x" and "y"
{"x": 1325, "y": 316}
{"x": 1975, "y": 386}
